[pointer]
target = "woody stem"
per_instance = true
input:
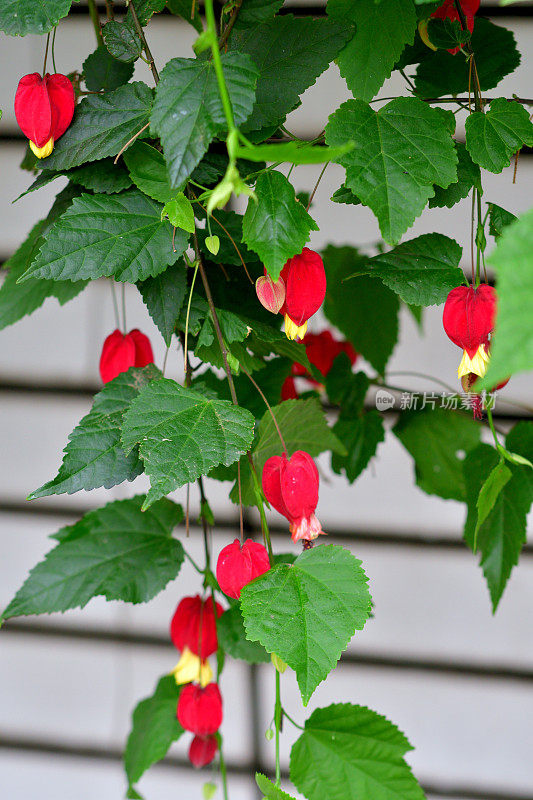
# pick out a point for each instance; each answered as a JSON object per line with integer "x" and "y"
{"x": 142, "y": 37}
{"x": 95, "y": 19}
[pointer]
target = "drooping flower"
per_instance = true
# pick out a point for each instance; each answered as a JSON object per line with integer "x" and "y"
{"x": 200, "y": 709}
{"x": 305, "y": 284}
{"x": 44, "y": 108}
{"x": 238, "y": 565}
{"x": 121, "y": 351}
{"x": 271, "y": 294}
{"x": 468, "y": 319}
{"x": 202, "y": 751}
{"x": 448, "y": 10}
{"x": 193, "y": 632}
{"x": 291, "y": 486}
{"x": 322, "y": 349}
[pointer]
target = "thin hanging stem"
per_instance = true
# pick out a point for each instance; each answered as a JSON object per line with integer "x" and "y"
{"x": 274, "y": 420}
{"x": 311, "y": 196}
{"x": 167, "y": 351}
{"x": 296, "y": 724}
{"x": 277, "y": 725}
{"x": 54, "y": 48}
{"x": 186, "y": 358}
{"x": 217, "y": 63}
{"x": 115, "y": 303}
{"x": 231, "y": 23}
{"x": 142, "y": 37}
{"x": 124, "y": 307}
{"x": 491, "y": 426}
{"x": 46, "y": 54}
{"x": 95, "y": 19}
{"x": 223, "y": 771}
{"x": 125, "y": 147}
{"x": 109, "y": 9}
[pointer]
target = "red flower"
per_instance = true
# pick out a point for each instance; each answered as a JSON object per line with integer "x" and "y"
{"x": 291, "y": 486}
{"x": 237, "y": 566}
{"x": 44, "y": 108}
{"x": 122, "y": 351}
{"x": 468, "y": 320}
{"x": 322, "y": 349}
{"x": 448, "y": 11}
{"x": 200, "y": 710}
{"x": 202, "y": 751}
{"x": 194, "y": 626}
{"x": 271, "y": 294}
{"x": 305, "y": 282}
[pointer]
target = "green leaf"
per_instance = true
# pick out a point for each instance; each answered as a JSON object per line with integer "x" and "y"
{"x": 253, "y": 12}
{"x": 146, "y": 9}
{"x": 116, "y": 551}
{"x": 180, "y": 213}
{"x": 468, "y": 175}
{"x": 183, "y": 8}
{"x": 346, "y": 196}
{"x": 100, "y": 176}
{"x": 437, "y": 439}
{"x": 512, "y": 345}
{"x": 447, "y": 34}
{"x": 164, "y": 296}
{"x": 303, "y": 427}
{"x": 276, "y": 226}
{"x": 488, "y": 494}
{"x": 188, "y": 111}
{"x": 290, "y": 54}
{"x": 499, "y": 219}
{"x": 232, "y": 638}
{"x": 103, "y": 235}
{"x": 359, "y": 744}
{"x": 364, "y": 310}
{"x": 103, "y": 72}
{"x": 493, "y": 138}
{"x": 307, "y": 612}
{"x": 400, "y": 152}
{"x": 154, "y": 728}
{"x": 94, "y": 456}
{"x": 381, "y": 32}
{"x": 102, "y": 125}
{"x": 269, "y": 789}
{"x": 441, "y": 73}
{"x": 293, "y": 152}
{"x": 421, "y": 271}
{"x": 182, "y": 435}
{"x": 122, "y": 41}
{"x": 148, "y": 172}
{"x": 226, "y": 224}
{"x": 20, "y": 17}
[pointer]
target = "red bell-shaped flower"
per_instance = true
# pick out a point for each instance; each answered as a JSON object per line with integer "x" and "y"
{"x": 271, "y": 294}
{"x": 122, "y": 351}
{"x": 200, "y": 710}
{"x": 202, "y": 751}
{"x": 194, "y": 626}
{"x": 44, "y": 108}
{"x": 291, "y": 486}
{"x": 237, "y": 566}
{"x": 322, "y": 349}
{"x": 305, "y": 283}
{"x": 468, "y": 319}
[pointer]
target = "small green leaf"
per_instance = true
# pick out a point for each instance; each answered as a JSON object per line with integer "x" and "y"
{"x": 213, "y": 244}
{"x": 468, "y": 175}
{"x": 276, "y": 226}
{"x": 271, "y": 791}
{"x": 293, "y": 152}
{"x": 489, "y": 492}
{"x": 307, "y": 612}
{"x": 103, "y": 72}
{"x": 232, "y": 638}
{"x": 499, "y": 219}
{"x": 209, "y": 789}
{"x": 164, "y": 296}
{"x": 122, "y": 40}
{"x": 182, "y": 435}
{"x": 148, "y": 172}
{"x": 180, "y": 213}
{"x": 21, "y": 17}
{"x": 493, "y": 138}
{"x": 154, "y": 728}
{"x": 447, "y": 34}
{"x": 359, "y": 744}
{"x": 116, "y": 551}
{"x": 188, "y": 12}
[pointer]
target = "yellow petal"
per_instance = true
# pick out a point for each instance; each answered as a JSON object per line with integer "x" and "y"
{"x": 294, "y": 331}
{"x": 45, "y": 150}
{"x": 477, "y": 364}
{"x": 191, "y": 668}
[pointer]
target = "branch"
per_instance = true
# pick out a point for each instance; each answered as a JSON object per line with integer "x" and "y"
{"x": 142, "y": 37}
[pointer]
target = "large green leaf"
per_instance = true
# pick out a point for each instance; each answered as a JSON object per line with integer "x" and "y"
{"x": 437, "y": 439}
{"x": 512, "y": 347}
{"x": 94, "y": 456}
{"x": 154, "y": 728}
{"x": 103, "y": 235}
{"x": 102, "y": 125}
{"x": 276, "y": 225}
{"x": 468, "y": 175}
{"x": 21, "y": 17}
{"x": 502, "y": 533}
{"x": 381, "y": 32}
{"x": 421, "y": 271}
{"x": 290, "y": 54}
{"x": 116, "y": 551}
{"x": 148, "y": 172}
{"x": 164, "y": 296}
{"x": 400, "y": 152}
{"x": 493, "y": 138}
{"x": 441, "y": 73}
{"x": 361, "y": 746}
{"x": 232, "y": 638}
{"x": 188, "y": 111}
{"x": 102, "y": 72}
{"x": 364, "y": 310}
{"x": 308, "y": 611}
{"x": 183, "y": 435}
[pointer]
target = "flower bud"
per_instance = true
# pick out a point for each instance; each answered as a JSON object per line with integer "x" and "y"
{"x": 200, "y": 709}
{"x": 202, "y": 751}
{"x": 237, "y": 566}
{"x": 291, "y": 486}
{"x": 305, "y": 283}
{"x": 271, "y": 294}
{"x": 194, "y": 627}
{"x": 122, "y": 351}
{"x": 44, "y": 108}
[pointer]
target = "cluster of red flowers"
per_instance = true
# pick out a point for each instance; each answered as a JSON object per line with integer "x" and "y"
{"x": 448, "y": 10}
{"x": 297, "y": 294}
{"x": 322, "y": 349}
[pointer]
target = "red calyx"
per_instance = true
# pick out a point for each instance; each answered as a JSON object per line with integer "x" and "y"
{"x": 237, "y": 566}
{"x": 291, "y": 486}
{"x": 200, "y": 710}
{"x": 202, "y": 751}
{"x": 322, "y": 349}
{"x": 448, "y": 11}
{"x": 469, "y": 316}
{"x": 194, "y": 626}
{"x": 44, "y": 107}
{"x": 122, "y": 351}
{"x": 305, "y": 284}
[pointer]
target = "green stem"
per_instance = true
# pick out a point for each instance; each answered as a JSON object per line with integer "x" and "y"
{"x": 296, "y": 725}
{"x": 480, "y": 223}
{"x": 491, "y": 426}
{"x": 277, "y": 723}
{"x": 223, "y": 772}
{"x": 193, "y": 562}
{"x": 217, "y": 63}
{"x": 95, "y": 19}
{"x": 142, "y": 37}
